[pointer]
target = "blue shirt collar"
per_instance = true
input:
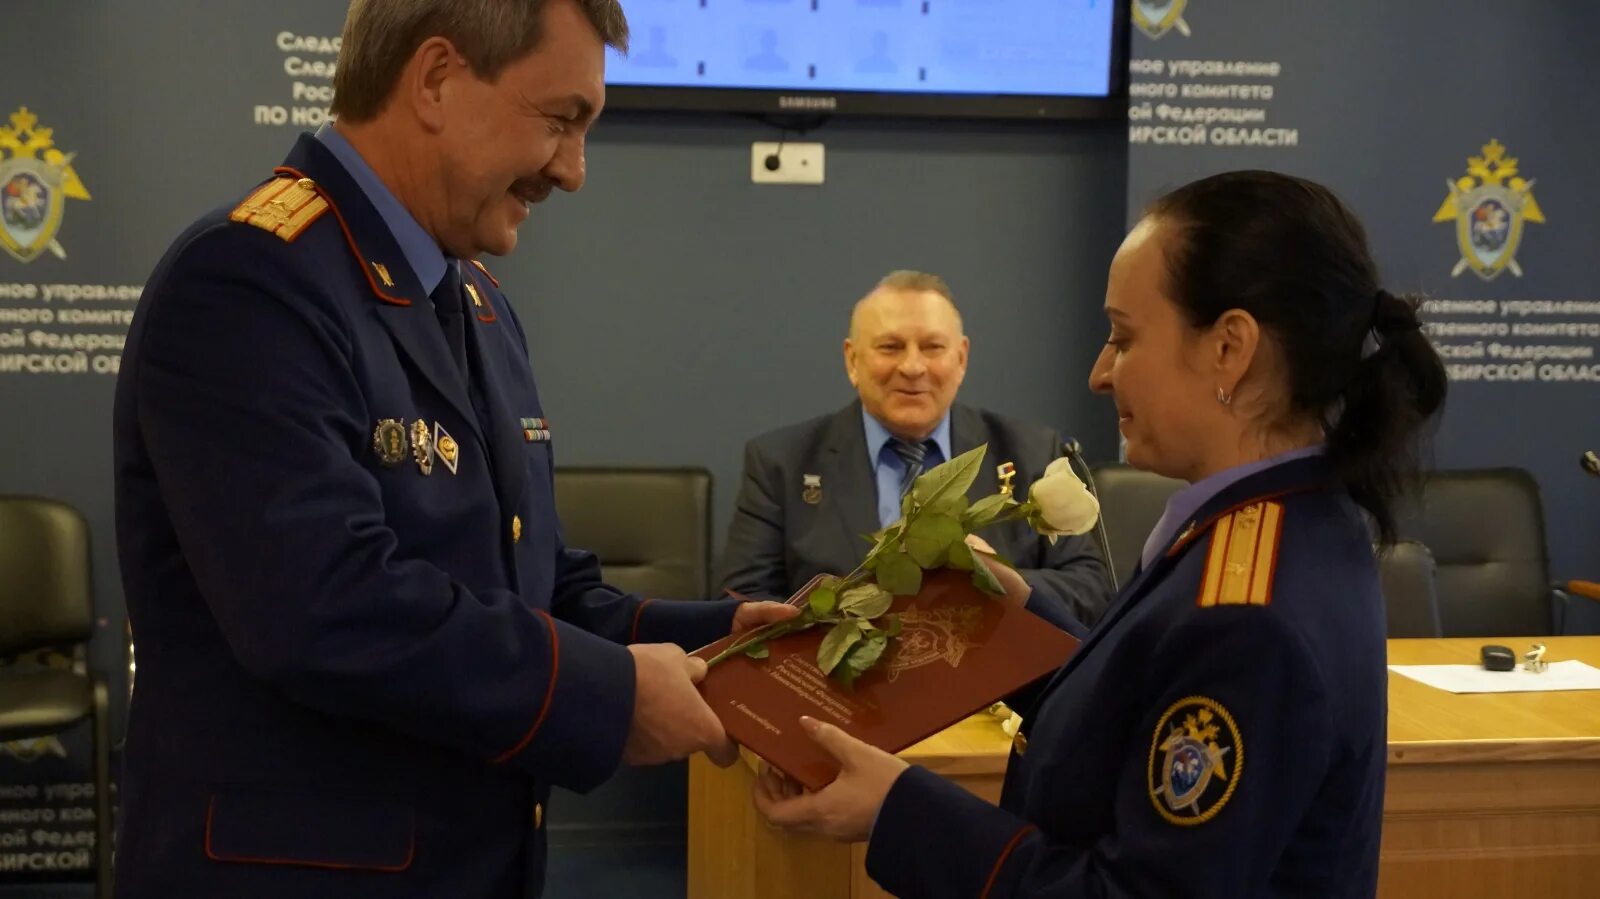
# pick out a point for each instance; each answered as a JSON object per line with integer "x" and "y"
{"x": 1182, "y": 506}
{"x": 878, "y": 436}
{"x": 422, "y": 252}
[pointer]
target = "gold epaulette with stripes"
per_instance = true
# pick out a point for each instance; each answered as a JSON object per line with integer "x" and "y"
{"x": 285, "y": 206}
{"x": 1243, "y": 557}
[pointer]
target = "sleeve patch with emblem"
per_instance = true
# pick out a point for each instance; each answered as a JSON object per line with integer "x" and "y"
{"x": 1196, "y": 761}
{"x": 1243, "y": 557}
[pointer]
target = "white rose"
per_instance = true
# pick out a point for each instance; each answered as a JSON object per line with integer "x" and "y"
{"x": 1066, "y": 507}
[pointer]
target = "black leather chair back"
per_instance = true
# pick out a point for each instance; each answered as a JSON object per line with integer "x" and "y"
{"x": 651, "y": 527}
{"x": 45, "y": 593}
{"x": 1485, "y": 528}
{"x": 47, "y": 602}
{"x": 1131, "y": 502}
{"x": 1411, "y": 604}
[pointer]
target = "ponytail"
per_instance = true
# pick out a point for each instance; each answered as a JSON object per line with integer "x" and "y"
{"x": 1374, "y": 437}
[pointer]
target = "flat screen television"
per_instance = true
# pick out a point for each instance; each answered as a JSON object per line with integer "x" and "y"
{"x": 1026, "y": 59}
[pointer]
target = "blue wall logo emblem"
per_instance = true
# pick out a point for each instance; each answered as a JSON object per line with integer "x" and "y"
{"x": 36, "y": 180}
{"x": 1157, "y": 17}
{"x": 1490, "y": 205}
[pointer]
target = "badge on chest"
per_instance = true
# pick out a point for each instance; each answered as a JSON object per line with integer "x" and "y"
{"x": 393, "y": 440}
{"x": 811, "y": 488}
{"x": 535, "y": 430}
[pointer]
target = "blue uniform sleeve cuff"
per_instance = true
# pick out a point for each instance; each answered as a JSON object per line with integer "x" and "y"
{"x": 1044, "y": 603}
{"x": 933, "y": 838}
{"x": 688, "y": 623}
{"x": 578, "y": 729}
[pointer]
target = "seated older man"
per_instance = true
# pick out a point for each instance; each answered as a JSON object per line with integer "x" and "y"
{"x": 810, "y": 490}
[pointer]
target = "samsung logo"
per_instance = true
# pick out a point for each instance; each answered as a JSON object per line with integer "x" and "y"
{"x": 808, "y": 102}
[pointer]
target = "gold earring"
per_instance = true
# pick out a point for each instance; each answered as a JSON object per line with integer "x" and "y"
{"x": 1224, "y": 397}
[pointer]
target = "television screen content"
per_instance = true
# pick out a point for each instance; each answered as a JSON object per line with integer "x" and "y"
{"x": 756, "y": 54}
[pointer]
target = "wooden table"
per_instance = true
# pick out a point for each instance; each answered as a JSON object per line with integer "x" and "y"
{"x": 734, "y": 854}
{"x": 1492, "y": 795}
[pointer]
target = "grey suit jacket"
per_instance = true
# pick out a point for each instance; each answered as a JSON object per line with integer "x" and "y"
{"x": 778, "y": 540}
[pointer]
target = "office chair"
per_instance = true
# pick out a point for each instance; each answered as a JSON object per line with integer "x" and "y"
{"x": 46, "y": 602}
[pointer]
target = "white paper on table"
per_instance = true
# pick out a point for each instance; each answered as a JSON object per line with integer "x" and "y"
{"x": 1568, "y": 675}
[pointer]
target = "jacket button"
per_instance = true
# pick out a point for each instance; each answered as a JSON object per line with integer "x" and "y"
{"x": 516, "y": 529}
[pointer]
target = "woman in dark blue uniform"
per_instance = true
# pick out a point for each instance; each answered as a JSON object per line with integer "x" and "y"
{"x": 1221, "y": 732}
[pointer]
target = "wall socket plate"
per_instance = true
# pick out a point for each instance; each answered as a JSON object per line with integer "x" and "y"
{"x": 796, "y": 163}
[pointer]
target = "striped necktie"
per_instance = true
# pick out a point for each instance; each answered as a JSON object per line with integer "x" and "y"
{"x": 913, "y": 455}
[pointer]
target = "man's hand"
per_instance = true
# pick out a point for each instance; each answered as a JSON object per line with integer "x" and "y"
{"x": 751, "y": 615}
{"x": 844, "y": 809}
{"x": 670, "y": 718}
{"x": 1016, "y": 588}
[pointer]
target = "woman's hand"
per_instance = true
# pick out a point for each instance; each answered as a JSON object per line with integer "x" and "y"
{"x": 845, "y": 809}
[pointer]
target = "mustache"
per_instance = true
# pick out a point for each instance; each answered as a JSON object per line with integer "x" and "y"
{"x": 532, "y": 190}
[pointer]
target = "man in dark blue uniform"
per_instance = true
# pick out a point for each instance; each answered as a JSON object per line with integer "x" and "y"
{"x": 366, "y": 654}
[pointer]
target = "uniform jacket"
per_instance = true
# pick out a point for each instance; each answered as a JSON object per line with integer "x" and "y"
{"x": 1220, "y": 734}
{"x": 365, "y": 653}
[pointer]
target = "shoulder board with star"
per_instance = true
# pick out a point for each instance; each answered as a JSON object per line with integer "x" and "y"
{"x": 285, "y": 207}
{"x": 1243, "y": 557}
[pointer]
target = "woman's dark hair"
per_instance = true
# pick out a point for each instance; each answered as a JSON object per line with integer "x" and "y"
{"x": 1288, "y": 252}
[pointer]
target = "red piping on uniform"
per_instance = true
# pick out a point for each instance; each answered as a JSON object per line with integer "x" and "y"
{"x": 549, "y": 694}
{"x": 366, "y": 267}
{"x": 1200, "y": 529}
{"x": 1004, "y": 854}
{"x": 633, "y": 634}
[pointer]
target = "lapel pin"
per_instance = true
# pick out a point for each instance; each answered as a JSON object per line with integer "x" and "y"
{"x": 389, "y": 441}
{"x": 1006, "y": 471}
{"x": 422, "y": 446}
{"x": 813, "y": 488}
{"x": 483, "y": 311}
{"x": 383, "y": 274}
{"x": 445, "y": 446}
